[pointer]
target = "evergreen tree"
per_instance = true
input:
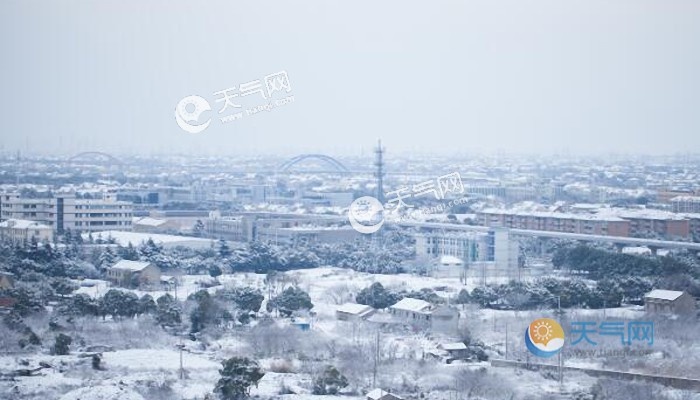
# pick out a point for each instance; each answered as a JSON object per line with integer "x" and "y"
{"x": 290, "y": 300}
{"x": 224, "y": 250}
{"x": 330, "y": 382}
{"x": 61, "y": 346}
{"x": 237, "y": 376}
{"x": 376, "y": 296}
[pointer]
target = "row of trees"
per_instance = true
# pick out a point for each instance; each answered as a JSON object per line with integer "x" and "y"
{"x": 122, "y": 304}
{"x": 550, "y": 292}
{"x": 377, "y": 296}
{"x": 239, "y": 374}
{"x": 598, "y": 263}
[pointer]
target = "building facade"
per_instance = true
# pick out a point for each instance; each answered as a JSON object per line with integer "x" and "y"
{"x": 66, "y": 212}
{"x": 669, "y": 302}
{"x": 18, "y": 231}
{"x": 127, "y": 273}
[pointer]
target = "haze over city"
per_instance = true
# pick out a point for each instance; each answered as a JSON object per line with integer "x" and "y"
{"x": 350, "y": 200}
{"x": 580, "y": 77}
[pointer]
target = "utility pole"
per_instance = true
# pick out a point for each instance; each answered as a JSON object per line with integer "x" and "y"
{"x": 376, "y": 361}
{"x": 182, "y": 368}
{"x": 561, "y": 372}
{"x": 506, "y": 340}
{"x": 379, "y": 174}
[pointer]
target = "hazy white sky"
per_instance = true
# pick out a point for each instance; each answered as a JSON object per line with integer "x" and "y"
{"x": 435, "y": 76}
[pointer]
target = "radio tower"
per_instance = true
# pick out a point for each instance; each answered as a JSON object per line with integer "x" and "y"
{"x": 379, "y": 163}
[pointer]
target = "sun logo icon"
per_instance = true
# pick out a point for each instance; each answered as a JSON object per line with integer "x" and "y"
{"x": 544, "y": 337}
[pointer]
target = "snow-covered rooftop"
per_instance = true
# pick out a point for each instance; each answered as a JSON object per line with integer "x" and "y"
{"x": 663, "y": 294}
{"x": 354, "y": 308}
{"x": 454, "y": 346}
{"x": 148, "y": 221}
{"x": 692, "y": 199}
{"x": 377, "y": 394}
{"x": 123, "y": 238}
{"x": 23, "y": 224}
{"x": 411, "y": 304}
{"x": 131, "y": 265}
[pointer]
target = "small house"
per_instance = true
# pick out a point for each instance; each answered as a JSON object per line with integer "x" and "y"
{"x": 127, "y": 273}
{"x": 6, "y": 280}
{"x": 454, "y": 351}
{"x": 379, "y": 394}
{"x": 669, "y": 302}
{"x": 353, "y": 312}
{"x": 412, "y": 310}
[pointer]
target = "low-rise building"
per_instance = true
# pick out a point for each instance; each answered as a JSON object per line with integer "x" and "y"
{"x": 412, "y": 311}
{"x": 453, "y": 351}
{"x": 686, "y": 204}
{"x": 19, "y": 231}
{"x": 669, "y": 302}
{"x": 380, "y": 394}
{"x": 154, "y": 225}
{"x": 353, "y": 312}
{"x": 127, "y": 273}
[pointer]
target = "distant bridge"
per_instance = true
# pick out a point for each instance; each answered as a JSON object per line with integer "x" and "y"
{"x": 335, "y": 164}
{"x": 93, "y": 155}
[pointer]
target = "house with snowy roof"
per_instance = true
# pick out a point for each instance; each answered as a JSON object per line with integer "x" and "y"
{"x": 380, "y": 394}
{"x": 128, "y": 273}
{"x": 669, "y": 302}
{"x": 414, "y": 312}
{"x": 18, "y": 231}
{"x": 420, "y": 314}
{"x": 353, "y": 312}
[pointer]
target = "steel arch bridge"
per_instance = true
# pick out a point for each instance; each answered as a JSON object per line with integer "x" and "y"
{"x": 96, "y": 154}
{"x": 337, "y": 165}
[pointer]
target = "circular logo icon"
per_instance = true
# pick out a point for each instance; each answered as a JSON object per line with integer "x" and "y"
{"x": 544, "y": 337}
{"x": 366, "y": 214}
{"x": 188, "y": 111}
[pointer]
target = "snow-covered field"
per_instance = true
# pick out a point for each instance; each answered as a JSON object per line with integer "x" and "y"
{"x": 149, "y": 367}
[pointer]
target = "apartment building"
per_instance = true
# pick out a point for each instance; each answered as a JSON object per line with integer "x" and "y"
{"x": 555, "y": 222}
{"x": 645, "y": 223}
{"x": 67, "y": 212}
{"x": 686, "y": 204}
{"x": 279, "y": 228}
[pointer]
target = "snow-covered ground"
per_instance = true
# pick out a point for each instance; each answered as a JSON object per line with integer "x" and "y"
{"x": 150, "y": 369}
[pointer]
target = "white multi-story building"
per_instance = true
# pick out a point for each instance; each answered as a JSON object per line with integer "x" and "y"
{"x": 17, "y": 231}
{"x": 66, "y": 212}
{"x": 467, "y": 246}
{"x": 493, "y": 253}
